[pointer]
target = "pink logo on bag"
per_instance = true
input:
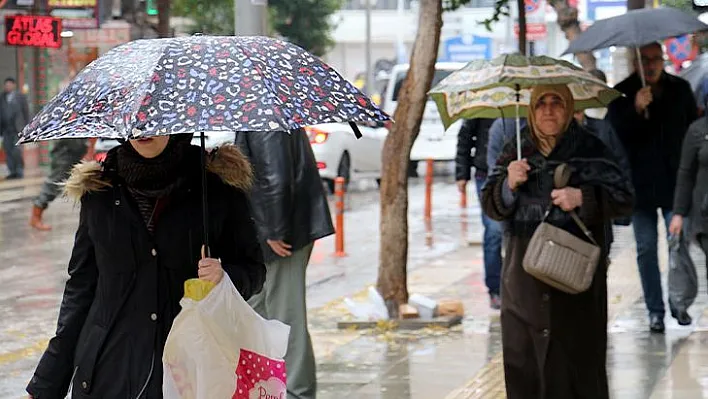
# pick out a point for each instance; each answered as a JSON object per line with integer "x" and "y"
{"x": 259, "y": 377}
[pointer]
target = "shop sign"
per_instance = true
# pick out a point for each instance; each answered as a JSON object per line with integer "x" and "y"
{"x": 72, "y": 3}
{"x": 32, "y": 31}
{"x": 75, "y": 14}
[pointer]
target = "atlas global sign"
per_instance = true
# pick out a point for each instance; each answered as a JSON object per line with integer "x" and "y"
{"x": 33, "y": 31}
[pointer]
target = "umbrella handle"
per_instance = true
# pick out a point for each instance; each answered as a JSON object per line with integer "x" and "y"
{"x": 205, "y": 205}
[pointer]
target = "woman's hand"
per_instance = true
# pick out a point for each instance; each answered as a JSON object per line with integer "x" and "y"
{"x": 676, "y": 226}
{"x": 517, "y": 173}
{"x": 567, "y": 198}
{"x": 210, "y": 269}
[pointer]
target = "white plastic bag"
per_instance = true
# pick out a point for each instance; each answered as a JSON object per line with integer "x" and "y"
{"x": 219, "y": 347}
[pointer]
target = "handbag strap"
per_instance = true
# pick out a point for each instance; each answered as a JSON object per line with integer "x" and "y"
{"x": 561, "y": 177}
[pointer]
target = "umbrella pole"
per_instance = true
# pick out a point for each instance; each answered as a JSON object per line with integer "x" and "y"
{"x": 641, "y": 76}
{"x": 518, "y": 125}
{"x": 205, "y": 205}
{"x": 641, "y": 67}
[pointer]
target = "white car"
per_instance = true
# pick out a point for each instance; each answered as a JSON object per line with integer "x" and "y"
{"x": 433, "y": 142}
{"x": 340, "y": 154}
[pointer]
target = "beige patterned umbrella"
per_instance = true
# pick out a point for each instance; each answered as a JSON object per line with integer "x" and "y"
{"x": 501, "y": 87}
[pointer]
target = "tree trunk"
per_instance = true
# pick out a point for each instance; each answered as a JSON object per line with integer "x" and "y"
{"x": 521, "y": 5}
{"x": 163, "y": 18}
{"x": 569, "y": 24}
{"x": 413, "y": 96}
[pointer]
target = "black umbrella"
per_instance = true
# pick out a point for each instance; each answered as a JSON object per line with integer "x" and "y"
{"x": 636, "y": 28}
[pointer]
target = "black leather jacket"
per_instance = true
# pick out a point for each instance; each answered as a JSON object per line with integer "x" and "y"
{"x": 474, "y": 134}
{"x": 288, "y": 198}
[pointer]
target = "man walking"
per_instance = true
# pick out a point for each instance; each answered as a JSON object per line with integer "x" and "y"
{"x": 65, "y": 154}
{"x": 291, "y": 212}
{"x": 651, "y": 122}
{"x": 474, "y": 134}
{"x": 14, "y": 115}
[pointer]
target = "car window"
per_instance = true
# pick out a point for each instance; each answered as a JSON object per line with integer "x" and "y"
{"x": 440, "y": 74}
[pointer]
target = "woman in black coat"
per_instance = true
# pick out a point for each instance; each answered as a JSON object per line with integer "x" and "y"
{"x": 554, "y": 343}
{"x": 139, "y": 239}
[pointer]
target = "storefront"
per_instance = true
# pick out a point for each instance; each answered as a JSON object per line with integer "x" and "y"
{"x": 43, "y": 70}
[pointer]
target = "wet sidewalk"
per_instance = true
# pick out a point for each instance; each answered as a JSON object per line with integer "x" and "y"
{"x": 434, "y": 363}
{"x": 465, "y": 362}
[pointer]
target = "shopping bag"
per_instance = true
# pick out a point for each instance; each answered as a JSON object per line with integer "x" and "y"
{"x": 219, "y": 347}
{"x": 683, "y": 279}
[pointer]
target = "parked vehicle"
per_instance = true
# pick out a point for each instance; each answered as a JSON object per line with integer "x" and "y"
{"x": 433, "y": 142}
{"x": 339, "y": 153}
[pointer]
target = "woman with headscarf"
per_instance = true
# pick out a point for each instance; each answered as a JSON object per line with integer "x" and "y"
{"x": 554, "y": 343}
{"x": 139, "y": 239}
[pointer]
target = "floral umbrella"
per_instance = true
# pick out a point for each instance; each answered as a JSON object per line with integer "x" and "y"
{"x": 501, "y": 87}
{"x": 199, "y": 84}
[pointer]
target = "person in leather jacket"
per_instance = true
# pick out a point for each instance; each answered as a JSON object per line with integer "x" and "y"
{"x": 291, "y": 212}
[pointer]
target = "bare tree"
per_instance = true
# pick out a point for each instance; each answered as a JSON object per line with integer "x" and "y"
{"x": 392, "y": 278}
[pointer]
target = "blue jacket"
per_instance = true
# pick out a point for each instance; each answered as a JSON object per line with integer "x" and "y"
{"x": 502, "y": 131}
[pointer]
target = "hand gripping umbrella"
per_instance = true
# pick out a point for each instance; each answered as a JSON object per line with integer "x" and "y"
{"x": 199, "y": 84}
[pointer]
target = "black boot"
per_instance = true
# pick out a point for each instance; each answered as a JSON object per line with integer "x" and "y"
{"x": 656, "y": 324}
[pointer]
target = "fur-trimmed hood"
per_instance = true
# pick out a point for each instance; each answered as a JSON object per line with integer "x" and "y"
{"x": 227, "y": 162}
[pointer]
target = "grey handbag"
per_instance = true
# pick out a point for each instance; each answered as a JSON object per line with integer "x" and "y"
{"x": 557, "y": 257}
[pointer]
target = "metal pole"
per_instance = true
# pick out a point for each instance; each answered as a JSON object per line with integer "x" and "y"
{"x": 400, "y": 46}
{"x": 429, "y": 189}
{"x": 518, "y": 124}
{"x": 369, "y": 71}
{"x": 251, "y": 17}
{"x": 339, "y": 192}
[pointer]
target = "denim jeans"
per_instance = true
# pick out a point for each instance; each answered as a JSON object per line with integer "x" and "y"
{"x": 491, "y": 245}
{"x": 647, "y": 237}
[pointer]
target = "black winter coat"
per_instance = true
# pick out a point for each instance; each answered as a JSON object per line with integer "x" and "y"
{"x": 474, "y": 134}
{"x": 554, "y": 343}
{"x": 288, "y": 198}
{"x": 125, "y": 284}
{"x": 653, "y": 145}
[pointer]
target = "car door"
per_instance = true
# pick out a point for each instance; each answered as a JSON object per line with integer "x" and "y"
{"x": 368, "y": 149}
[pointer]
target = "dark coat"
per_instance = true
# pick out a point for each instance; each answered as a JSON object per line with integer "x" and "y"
{"x": 554, "y": 343}
{"x": 288, "y": 198}
{"x": 125, "y": 285}
{"x": 653, "y": 145}
{"x": 603, "y": 129}
{"x": 474, "y": 134}
{"x": 17, "y": 110}
{"x": 691, "y": 198}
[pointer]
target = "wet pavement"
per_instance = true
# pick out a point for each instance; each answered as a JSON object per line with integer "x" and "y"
{"x": 463, "y": 362}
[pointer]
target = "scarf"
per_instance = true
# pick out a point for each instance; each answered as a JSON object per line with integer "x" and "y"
{"x": 546, "y": 143}
{"x": 151, "y": 179}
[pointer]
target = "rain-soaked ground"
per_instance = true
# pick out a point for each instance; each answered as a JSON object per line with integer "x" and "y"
{"x": 461, "y": 363}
